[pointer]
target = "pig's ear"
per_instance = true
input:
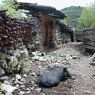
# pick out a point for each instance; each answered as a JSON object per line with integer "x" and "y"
{"x": 65, "y": 69}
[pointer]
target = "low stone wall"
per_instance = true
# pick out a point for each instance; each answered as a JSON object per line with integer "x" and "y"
{"x": 62, "y": 37}
{"x": 13, "y": 59}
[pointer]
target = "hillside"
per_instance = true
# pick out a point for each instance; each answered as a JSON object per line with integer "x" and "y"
{"x": 73, "y": 13}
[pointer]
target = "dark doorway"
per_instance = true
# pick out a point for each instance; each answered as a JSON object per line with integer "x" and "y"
{"x": 49, "y": 30}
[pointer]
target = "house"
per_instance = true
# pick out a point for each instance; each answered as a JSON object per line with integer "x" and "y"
{"x": 47, "y": 16}
{"x": 38, "y": 31}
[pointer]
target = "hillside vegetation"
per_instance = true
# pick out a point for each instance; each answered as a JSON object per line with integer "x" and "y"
{"x": 81, "y": 17}
{"x": 12, "y": 8}
{"x": 87, "y": 18}
{"x": 73, "y": 13}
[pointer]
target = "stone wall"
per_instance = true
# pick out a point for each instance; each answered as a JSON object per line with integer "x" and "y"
{"x": 12, "y": 59}
{"x": 62, "y": 37}
{"x": 17, "y": 37}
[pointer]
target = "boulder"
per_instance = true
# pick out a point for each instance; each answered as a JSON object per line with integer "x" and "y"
{"x": 3, "y": 66}
{"x": 53, "y": 76}
{"x": 2, "y": 72}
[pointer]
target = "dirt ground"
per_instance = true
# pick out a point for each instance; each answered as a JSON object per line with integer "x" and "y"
{"x": 83, "y": 74}
{"x": 83, "y": 82}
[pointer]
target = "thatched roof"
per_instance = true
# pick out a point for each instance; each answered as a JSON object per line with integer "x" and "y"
{"x": 45, "y": 10}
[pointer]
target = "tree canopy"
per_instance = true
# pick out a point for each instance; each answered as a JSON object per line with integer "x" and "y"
{"x": 87, "y": 18}
{"x": 12, "y": 8}
{"x": 73, "y": 13}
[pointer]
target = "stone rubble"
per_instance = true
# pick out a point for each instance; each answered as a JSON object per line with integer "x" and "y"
{"x": 8, "y": 89}
{"x": 18, "y": 77}
{"x": 40, "y": 61}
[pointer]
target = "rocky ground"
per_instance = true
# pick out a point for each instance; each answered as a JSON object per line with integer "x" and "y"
{"x": 70, "y": 55}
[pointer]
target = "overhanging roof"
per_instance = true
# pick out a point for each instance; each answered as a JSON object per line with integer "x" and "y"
{"x": 45, "y": 10}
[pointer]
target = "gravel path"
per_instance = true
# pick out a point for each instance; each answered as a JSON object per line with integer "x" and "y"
{"x": 84, "y": 73}
{"x": 70, "y": 55}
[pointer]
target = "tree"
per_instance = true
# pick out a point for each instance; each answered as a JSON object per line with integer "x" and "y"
{"x": 87, "y": 18}
{"x": 72, "y": 13}
{"x": 11, "y": 7}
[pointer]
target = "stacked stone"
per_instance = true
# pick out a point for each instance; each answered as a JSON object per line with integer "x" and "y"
{"x": 13, "y": 31}
{"x": 16, "y": 36}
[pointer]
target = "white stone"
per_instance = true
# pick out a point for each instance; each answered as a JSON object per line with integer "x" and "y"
{"x": 36, "y": 58}
{"x": 34, "y": 54}
{"x": 56, "y": 64}
{"x": 18, "y": 82}
{"x": 28, "y": 91}
{"x": 87, "y": 92}
{"x": 38, "y": 89}
{"x": 4, "y": 77}
{"x": 18, "y": 76}
{"x": 32, "y": 88}
{"x": 58, "y": 61}
{"x": 8, "y": 88}
{"x": 21, "y": 93}
{"x": 17, "y": 85}
{"x": 68, "y": 57}
{"x": 42, "y": 59}
{"x": 64, "y": 62}
{"x": 22, "y": 80}
{"x": 83, "y": 75}
{"x": 22, "y": 86}
{"x": 1, "y": 71}
{"x": 32, "y": 82}
{"x": 25, "y": 75}
{"x": 33, "y": 74}
{"x": 74, "y": 57}
{"x": 30, "y": 61}
{"x": 6, "y": 82}
{"x": 54, "y": 52}
{"x": 42, "y": 94}
{"x": 61, "y": 55}
{"x": 40, "y": 67}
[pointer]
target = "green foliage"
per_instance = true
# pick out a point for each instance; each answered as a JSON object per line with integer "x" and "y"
{"x": 73, "y": 13}
{"x": 16, "y": 66}
{"x": 87, "y": 19}
{"x": 11, "y": 7}
{"x": 1, "y": 92}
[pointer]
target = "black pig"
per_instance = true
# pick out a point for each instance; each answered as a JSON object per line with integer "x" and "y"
{"x": 53, "y": 76}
